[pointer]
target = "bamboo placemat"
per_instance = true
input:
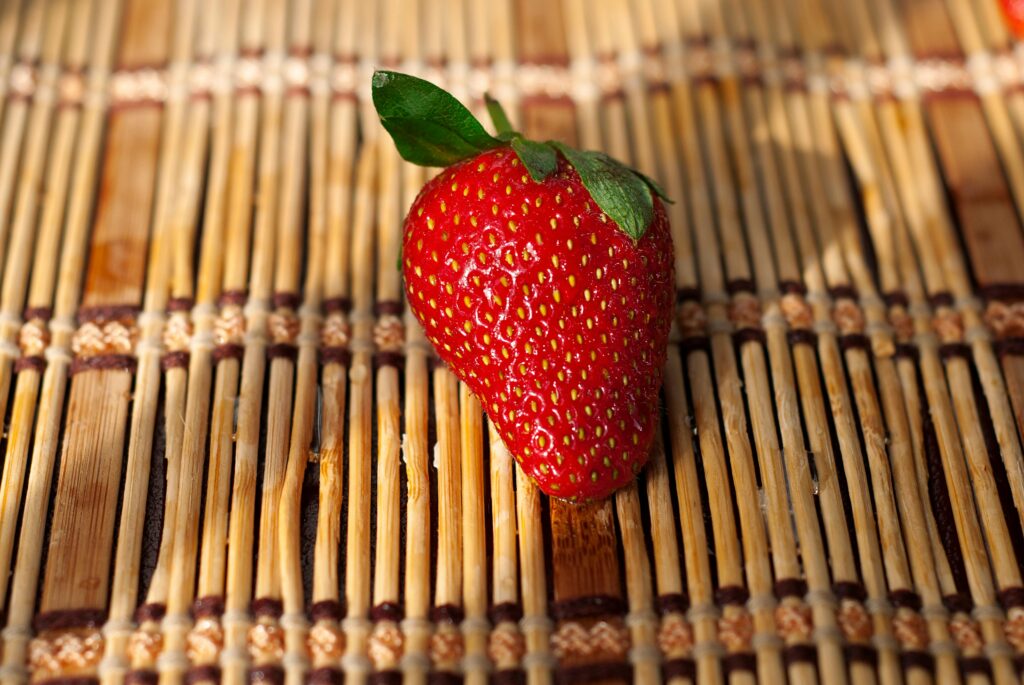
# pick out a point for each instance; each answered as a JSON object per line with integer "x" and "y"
{"x": 229, "y": 453}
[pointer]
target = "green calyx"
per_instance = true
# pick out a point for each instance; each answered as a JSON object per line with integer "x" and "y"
{"x": 432, "y": 128}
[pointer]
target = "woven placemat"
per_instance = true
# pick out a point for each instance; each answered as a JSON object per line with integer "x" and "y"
{"x": 230, "y": 454}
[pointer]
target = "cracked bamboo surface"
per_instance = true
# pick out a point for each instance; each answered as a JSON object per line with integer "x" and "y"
{"x": 229, "y": 454}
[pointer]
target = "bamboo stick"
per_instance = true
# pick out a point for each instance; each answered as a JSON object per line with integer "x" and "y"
{"x": 56, "y": 51}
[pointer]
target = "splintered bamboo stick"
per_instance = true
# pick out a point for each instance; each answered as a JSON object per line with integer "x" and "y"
{"x": 242, "y": 334}
{"x": 304, "y": 414}
{"x": 65, "y": 292}
{"x": 56, "y": 51}
{"x": 357, "y": 545}
{"x": 339, "y": 153}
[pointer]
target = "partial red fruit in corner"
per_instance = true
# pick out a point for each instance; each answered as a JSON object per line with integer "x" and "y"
{"x": 554, "y": 316}
{"x": 1013, "y": 11}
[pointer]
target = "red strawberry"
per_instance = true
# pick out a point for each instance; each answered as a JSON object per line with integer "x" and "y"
{"x": 544, "y": 280}
{"x": 1013, "y": 11}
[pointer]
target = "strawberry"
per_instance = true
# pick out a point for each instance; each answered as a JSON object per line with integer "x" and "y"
{"x": 1013, "y": 11}
{"x": 542, "y": 275}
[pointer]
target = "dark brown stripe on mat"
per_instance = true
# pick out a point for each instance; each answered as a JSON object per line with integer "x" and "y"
{"x": 390, "y": 677}
{"x": 386, "y": 611}
{"x": 444, "y": 678}
{"x": 747, "y": 335}
{"x": 337, "y": 304}
{"x": 394, "y": 359}
{"x": 907, "y": 599}
{"x": 235, "y": 297}
{"x": 387, "y": 307}
{"x": 505, "y": 611}
{"x": 273, "y": 675}
{"x": 150, "y": 612}
{"x": 591, "y": 673}
{"x": 792, "y": 288}
{"x": 211, "y": 605}
{"x": 1002, "y": 291}
{"x": 106, "y": 313}
{"x": 34, "y": 363}
{"x": 839, "y": 292}
{"x": 327, "y": 610}
{"x": 679, "y": 668}
{"x": 802, "y": 336}
{"x": 915, "y": 658}
{"x": 740, "y": 661}
{"x": 141, "y": 677}
{"x": 179, "y": 304}
{"x": 269, "y": 607}
{"x": 975, "y": 665}
{"x": 67, "y": 619}
{"x": 70, "y": 680}
{"x": 1011, "y": 597}
{"x": 1010, "y": 347}
{"x": 800, "y": 654}
{"x": 587, "y": 607}
{"x": 739, "y": 285}
{"x": 282, "y": 351}
{"x": 43, "y": 313}
{"x": 790, "y": 587}
{"x": 684, "y": 294}
{"x": 509, "y": 676}
{"x": 447, "y": 612}
{"x": 285, "y": 300}
{"x": 207, "y": 673}
{"x": 174, "y": 360}
{"x": 896, "y": 298}
{"x": 228, "y": 351}
{"x": 328, "y": 676}
{"x": 732, "y": 594}
{"x": 864, "y": 654}
{"x": 951, "y": 350}
{"x": 906, "y": 351}
{"x": 697, "y": 343}
{"x": 854, "y": 341}
{"x": 846, "y": 589}
{"x": 941, "y": 299}
{"x": 105, "y": 362}
{"x": 674, "y": 602}
{"x": 335, "y": 355}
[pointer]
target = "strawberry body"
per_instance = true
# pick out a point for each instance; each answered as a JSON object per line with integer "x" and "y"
{"x": 555, "y": 318}
{"x": 1013, "y": 10}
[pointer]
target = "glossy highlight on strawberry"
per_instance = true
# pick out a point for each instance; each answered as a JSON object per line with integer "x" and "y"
{"x": 551, "y": 311}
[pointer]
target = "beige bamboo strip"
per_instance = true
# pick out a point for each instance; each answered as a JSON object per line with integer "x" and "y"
{"x": 387, "y": 547}
{"x": 75, "y": 223}
{"x": 773, "y": 142}
{"x": 339, "y": 153}
{"x": 357, "y": 546}
{"x": 9, "y": 24}
{"x": 475, "y": 627}
{"x": 504, "y": 566}
{"x": 732, "y": 252}
{"x": 209, "y": 418}
{"x": 247, "y": 177}
{"x": 12, "y": 138}
{"x": 796, "y": 151}
{"x": 293, "y": 620}
{"x": 725, "y": 534}
{"x": 57, "y": 50}
{"x": 536, "y": 625}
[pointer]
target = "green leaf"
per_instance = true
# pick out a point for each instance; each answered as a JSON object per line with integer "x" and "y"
{"x": 618, "y": 190}
{"x": 540, "y": 159}
{"x": 501, "y": 123}
{"x": 428, "y": 125}
{"x": 654, "y": 186}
